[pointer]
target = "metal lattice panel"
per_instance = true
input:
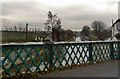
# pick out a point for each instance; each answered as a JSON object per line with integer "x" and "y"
{"x": 21, "y": 59}
{"x": 101, "y": 51}
{"x": 24, "y": 59}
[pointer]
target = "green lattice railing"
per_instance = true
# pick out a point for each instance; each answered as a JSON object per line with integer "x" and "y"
{"x": 21, "y": 59}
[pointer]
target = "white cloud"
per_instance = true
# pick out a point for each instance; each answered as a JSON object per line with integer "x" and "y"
{"x": 74, "y": 13}
{"x": 18, "y": 0}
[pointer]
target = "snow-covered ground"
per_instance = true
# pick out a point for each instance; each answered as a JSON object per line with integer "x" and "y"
{"x": 26, "y": 43}
{"x": 40, "y": 43}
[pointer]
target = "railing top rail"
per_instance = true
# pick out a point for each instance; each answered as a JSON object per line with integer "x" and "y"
{"x": 55, "y": 43}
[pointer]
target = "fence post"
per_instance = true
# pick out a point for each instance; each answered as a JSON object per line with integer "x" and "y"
{"x": 90, "y": 53}
{"x": 111, "y": 51}
{"x": 26, "y": 31}
{"x": 50, "y": 56}
{"x": 118, "y": 51}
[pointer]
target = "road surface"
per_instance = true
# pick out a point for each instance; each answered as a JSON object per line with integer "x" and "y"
{"x": 106, "y": 69}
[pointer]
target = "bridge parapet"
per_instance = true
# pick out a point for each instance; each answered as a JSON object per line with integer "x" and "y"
{"x": 24, "y": 59}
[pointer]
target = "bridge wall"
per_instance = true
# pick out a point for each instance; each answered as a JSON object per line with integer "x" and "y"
{"x": 25, "y": 59}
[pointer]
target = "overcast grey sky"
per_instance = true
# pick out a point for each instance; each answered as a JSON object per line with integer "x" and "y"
{"x": 74, "y": 14}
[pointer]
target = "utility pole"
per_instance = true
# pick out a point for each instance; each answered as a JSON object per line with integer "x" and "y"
{"x": 26, "y": 30}
{"x": 112, "y": 29}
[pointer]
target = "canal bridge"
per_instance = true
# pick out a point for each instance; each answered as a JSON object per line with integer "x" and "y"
{"x": 85, "y": 59}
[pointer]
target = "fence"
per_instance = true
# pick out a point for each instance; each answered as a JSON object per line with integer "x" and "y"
{"x": 22, "y": 59}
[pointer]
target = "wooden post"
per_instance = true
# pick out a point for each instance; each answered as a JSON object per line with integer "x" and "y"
{"x": 26, "y": 30}
{"x": 112, "y": 30}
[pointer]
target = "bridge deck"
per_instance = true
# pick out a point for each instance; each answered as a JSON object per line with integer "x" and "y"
{"x": 106, "y": 69}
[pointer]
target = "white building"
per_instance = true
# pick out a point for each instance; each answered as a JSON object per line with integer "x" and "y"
{"x": 118, "y": 24}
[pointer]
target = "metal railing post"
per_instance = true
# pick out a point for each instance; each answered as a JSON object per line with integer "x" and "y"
{"x": 50, "y": 56}
{"x": 90, "y": 53}
{"x": 118, "y": 51}
{"x": 111, "y": 51}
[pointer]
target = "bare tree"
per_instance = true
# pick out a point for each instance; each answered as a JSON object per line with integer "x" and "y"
{"x": 98, "y": 25}
{"x": 20, "y": 27}
{"x": 98, "y": 28}
{"x": 15, "y": 28}
{"x": 53, "y": 24}
{"x": 5, "y": 24}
